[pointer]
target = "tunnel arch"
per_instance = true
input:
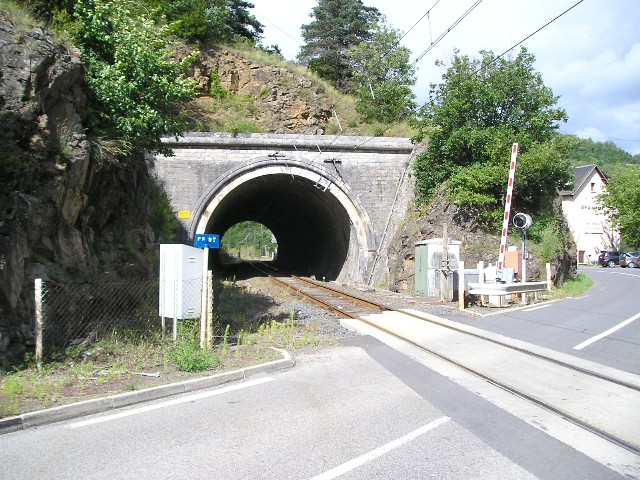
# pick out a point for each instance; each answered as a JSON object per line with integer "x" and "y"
{"x": 321, "y": 228}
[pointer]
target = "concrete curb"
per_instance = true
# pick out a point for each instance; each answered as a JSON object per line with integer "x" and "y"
{"x": 112, "y": 402}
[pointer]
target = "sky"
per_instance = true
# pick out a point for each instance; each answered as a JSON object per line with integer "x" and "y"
{"x": 589, "y": 57}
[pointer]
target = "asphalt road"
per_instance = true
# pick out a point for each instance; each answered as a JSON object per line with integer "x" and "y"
{"x": 361, "y": 410}
{"x": 581, "y": 326}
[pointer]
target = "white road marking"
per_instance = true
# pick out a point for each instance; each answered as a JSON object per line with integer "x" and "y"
{"x": 606, "y": 333}
{"x": 170, "y": 403}
{"x": 536, "y": 308}
{"x": 619, "y": 273}
{"x": 378, "y": 452}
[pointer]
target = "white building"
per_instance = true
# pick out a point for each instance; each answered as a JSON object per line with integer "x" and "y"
{"x": 589, "y": 225}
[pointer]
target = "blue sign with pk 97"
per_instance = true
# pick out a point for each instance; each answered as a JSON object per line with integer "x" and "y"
{"x": 206, "y": 240}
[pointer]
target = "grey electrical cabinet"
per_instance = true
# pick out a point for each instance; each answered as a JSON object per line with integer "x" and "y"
{"x": 429, "y": 266}
{"x": 180, "y": 281}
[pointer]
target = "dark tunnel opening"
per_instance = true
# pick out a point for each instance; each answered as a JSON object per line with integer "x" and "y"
{"x": 311, "y": 226}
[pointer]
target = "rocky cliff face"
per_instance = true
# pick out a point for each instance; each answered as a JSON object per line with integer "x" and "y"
{"x": 281, "y": 101}
{"x": 64, "y": 213}
{"x": 61, "y": 213}
{"x": 476, "y": 245}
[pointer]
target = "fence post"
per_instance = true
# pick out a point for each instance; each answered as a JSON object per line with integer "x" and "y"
{"x": 175, "y": 307}
{"x": 549, "y": 282}
{"x": 483, "y": 298}
{"x": 209, "y": 309}
{"x": 38, "y": 304}
{"x": 204, "y": 297}
{"x": 461, "y": 285}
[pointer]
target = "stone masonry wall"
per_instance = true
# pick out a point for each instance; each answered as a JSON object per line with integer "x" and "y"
{"x": 372, "y": 169}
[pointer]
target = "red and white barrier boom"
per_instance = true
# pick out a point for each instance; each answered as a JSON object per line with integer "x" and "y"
{"x": 507, "y": 210}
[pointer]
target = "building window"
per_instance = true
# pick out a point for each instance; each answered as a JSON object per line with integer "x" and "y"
{"x": 593, "y": 187}
{"x": 593, "y": 227}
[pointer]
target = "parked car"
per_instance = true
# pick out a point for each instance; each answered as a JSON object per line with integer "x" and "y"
{"x": 629, "y": 259}
{"x": 609, "y": 259}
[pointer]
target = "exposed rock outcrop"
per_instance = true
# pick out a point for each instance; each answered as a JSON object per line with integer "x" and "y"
{"x": 62, "y": 215}
{"x": 282, "y": 101}
{"x": 477, "y": 245}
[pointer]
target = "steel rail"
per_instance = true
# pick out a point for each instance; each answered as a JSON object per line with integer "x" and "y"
{"x": 378, "y": 308}
{"x": 518, "y": 392}
{"x": 371, "y": 307}
{"x": 418, "y": 316}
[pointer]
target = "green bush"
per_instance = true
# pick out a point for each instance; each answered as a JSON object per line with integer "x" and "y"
{"x": 162, "y": 219}
{"x": 135, "y": 86}
{"x": 187, "y": 354}
{"x": 551, "y": 242}
{"x": 217, "y": 90}
{"x": 245, "y": 126}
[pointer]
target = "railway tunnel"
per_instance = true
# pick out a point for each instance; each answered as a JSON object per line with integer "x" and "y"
{"x": 319, "y": 228}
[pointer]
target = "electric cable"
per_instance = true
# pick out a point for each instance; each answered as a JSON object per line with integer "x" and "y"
{"x": 447, "y": 31}
{"x": 529, "y": 36}
{"x": 420, "y": 19}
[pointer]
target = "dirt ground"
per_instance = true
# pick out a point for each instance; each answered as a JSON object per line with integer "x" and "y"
{"x": 110, "y": 369}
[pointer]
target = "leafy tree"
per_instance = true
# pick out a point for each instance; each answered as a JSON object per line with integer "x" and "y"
{"x": 137, "y": 91}
{"x": 604, "y": 154}
{"x": 337, "y": 26}
{"x": 382, "y": 76}
{"x": 481, "y": 107}
{"x": 251, "y": 238}
{"x": 622, "y": 203}
{"x": 195, "y": 20}
{"x": 209, "y": 21}
{"x": 541, "y": 170}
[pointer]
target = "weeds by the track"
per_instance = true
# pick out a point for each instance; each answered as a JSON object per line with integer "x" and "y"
{"x": 116, "y": 364}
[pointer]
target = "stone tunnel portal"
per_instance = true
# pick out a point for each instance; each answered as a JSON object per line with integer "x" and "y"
{"x": 319, "y": 229}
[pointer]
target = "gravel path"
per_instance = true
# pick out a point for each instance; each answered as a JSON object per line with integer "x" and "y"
{"x": 328, "y": 323}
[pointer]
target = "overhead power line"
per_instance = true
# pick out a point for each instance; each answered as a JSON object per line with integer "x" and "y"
{"x": 281, "y": 30}
{"x": 608, "y": 139}
{"x": 529, "y": 36}
{"x": 420, "y": 19}
{"x": 444, "y": 34}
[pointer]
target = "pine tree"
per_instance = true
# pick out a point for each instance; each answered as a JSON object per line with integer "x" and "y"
{"x": 337, "y": 26}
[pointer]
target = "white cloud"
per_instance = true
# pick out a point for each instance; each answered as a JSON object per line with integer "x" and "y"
{"x": 590, "y": 56}
{"x": 607, "y": 78}
{"x": 592, "y": 133}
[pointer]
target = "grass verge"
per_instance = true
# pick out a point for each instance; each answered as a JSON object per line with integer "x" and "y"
{"x": 111, "y": 367}
{"x": 118, "y": 363}
{"x": 573, "y": 287}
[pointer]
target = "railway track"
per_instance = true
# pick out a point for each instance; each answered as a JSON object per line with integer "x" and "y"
{"x": 598, "y": 399}
{"x": 339, "y": 302}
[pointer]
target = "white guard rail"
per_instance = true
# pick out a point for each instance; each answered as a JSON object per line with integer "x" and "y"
{"x": 500, "y": 290}
{"x": 506, "y": 288}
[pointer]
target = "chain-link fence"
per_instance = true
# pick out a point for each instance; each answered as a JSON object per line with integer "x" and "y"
{"x": 72, "y": 315}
